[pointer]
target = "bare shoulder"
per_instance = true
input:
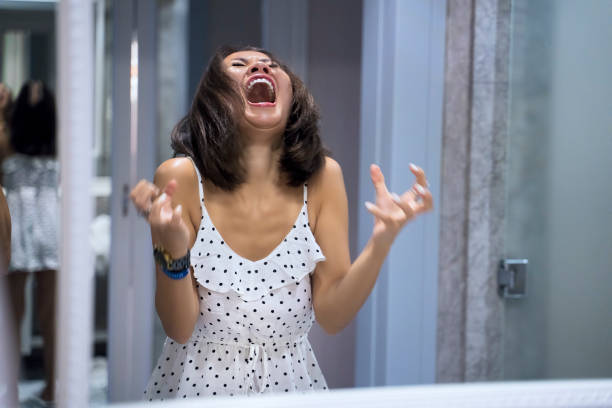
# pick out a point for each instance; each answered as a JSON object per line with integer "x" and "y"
{"x": 187, "y": 193}
{"x": 328, "y": 179}
{"x": 180, "y": 169}
{"x": 327, "y": 187}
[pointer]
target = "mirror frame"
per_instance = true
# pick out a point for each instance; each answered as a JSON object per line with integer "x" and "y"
{"x": 74, "y": 20}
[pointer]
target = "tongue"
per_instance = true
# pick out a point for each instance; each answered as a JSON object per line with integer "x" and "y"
{"x": 259, "y": 93}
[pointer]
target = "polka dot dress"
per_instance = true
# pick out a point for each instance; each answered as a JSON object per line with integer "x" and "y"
{"x": 251, "y": 335}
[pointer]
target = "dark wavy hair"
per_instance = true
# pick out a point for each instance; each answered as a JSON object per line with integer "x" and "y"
{"x": 209, "y": 133}
{"x": 33, "y": 127}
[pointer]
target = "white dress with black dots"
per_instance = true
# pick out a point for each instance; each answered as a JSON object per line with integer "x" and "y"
{"x": 251, "y": 335}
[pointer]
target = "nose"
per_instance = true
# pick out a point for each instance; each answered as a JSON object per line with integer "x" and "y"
{"x": 260, "y": 66}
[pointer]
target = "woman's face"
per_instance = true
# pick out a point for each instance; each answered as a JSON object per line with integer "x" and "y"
{"x": 36, "y": 93}
{"x": 265, "y": 87}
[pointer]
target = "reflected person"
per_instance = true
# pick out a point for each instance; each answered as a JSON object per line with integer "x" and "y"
{"x": 31, "y": 182}
{"x": 250, "y": 235}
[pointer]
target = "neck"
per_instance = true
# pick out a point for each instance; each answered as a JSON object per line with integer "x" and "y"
{"x": 261, "y": 163}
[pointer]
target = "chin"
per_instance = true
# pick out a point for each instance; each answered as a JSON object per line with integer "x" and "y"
{"x": 265, "y": 120}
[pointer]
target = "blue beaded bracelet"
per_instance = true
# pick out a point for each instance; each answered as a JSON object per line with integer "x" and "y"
{"x": 176, "y": 275}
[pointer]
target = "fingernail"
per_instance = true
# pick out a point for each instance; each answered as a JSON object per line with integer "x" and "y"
{"x": 420, "y": 189}
{"x": 395, "y": 197}
{"x": 163, "y": 196}
{"x": 369, "y": 205}
{"x": 179, "y": 207}
{"x": 413, "y": 166}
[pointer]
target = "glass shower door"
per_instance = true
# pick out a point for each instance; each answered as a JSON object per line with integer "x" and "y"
{"x": 559, "y": 190}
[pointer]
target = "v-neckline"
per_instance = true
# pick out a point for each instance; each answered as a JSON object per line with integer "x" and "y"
{"x": 233, "y": 252}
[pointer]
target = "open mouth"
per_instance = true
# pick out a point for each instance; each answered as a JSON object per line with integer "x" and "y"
{"x": 260, "y": 91}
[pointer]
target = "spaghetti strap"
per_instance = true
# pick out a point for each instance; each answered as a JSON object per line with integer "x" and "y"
{"x": 305, "y": 193}
{"x": 200, "y": 181}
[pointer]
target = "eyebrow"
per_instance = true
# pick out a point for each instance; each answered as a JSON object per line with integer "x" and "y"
{"x": 246, "y": 61}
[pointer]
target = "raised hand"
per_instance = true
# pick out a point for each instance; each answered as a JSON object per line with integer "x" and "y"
{"x": 168, "y": 228}
{"x": 392, "y": 212}
{"x": 143, "y": 195}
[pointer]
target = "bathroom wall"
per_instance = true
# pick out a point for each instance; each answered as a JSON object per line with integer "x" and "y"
{"x": 213, "y": 23}
{"x": 334, "y": 78}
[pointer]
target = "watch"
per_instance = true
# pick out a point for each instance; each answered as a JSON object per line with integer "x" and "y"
{"x": 164, "y": 259}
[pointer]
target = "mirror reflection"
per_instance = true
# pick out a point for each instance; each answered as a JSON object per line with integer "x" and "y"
{"x": 29, "y": 172}
{"x": 244, "y": 245}
{"x": 30, "y": 177}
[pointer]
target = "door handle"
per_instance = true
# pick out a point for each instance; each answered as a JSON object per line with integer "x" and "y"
{"x": 125, "y": 200}
{"x": 512, "y": 278}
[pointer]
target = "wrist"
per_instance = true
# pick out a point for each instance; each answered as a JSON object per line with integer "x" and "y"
{"x": 173, "y": 251}
{"x": 380, "y": 246}
{"x": 176, "y": 254}
{"x": 171, "y": 261}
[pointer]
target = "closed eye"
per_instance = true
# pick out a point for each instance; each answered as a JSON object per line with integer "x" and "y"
{"x": 237, "y": 64}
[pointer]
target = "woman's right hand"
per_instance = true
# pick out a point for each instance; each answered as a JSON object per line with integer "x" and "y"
{"x": 168, "y": 228}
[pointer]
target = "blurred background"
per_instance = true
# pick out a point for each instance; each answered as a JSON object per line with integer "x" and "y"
{"x": 505, "y": 103}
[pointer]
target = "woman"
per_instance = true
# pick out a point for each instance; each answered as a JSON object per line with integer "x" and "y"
{"x": 31, "y": 181}
{"x": 251, "y": 232}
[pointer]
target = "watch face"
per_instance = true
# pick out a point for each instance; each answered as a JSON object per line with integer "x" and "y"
{"x": 160, "y": 257}
{"x": 165, "y": 260}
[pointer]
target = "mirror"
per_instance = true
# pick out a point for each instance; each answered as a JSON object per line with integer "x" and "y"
{"x": 148, "y": 60}
{"x": 558, "y": 86}
{"x": 30, "y": 178}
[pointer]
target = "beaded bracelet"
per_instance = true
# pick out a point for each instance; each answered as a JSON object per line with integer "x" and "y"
{"x": 176, "y": 275}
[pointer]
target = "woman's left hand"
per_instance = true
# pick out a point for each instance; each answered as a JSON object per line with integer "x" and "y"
{"x": 392, "y": 212}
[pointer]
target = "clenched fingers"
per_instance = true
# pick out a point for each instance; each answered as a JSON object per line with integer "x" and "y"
{"x": 162, "y": 212}
{"x": 143, "y": 195}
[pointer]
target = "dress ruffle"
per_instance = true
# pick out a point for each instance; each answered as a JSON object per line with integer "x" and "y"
{"x": 222, "y": 270}
{"x": 216, "y": 266}
{"x": 30, "y": 171}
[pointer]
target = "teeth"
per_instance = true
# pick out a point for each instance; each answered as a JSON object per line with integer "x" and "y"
{"x": 260, "y": 80}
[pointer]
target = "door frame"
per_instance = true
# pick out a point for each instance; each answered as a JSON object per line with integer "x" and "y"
{"x": 134, "y": 135}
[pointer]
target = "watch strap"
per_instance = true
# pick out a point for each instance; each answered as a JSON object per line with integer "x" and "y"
{"x": 163, "y": 258}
